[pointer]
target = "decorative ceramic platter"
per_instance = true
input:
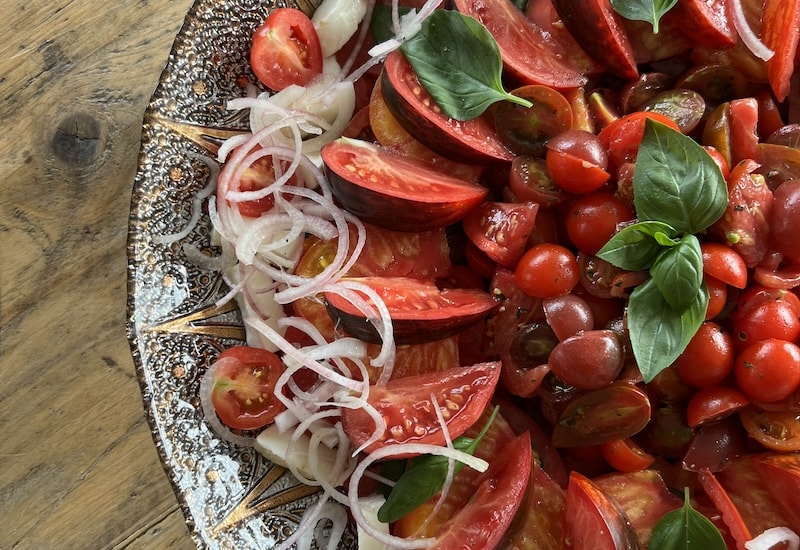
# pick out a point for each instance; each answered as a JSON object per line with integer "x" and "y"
{"x": 231, "y": 496}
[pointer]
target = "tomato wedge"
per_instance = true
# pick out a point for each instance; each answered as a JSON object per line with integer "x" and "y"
{"x": 286, "y": 50}
{"x": 420, "y": 311}
{"x": 779, "y": 31}
{"x": 394, "y": 192}
{"x": 527, "y": 52}
{"x": 244, "y": 384}
{"x": 405, "y": 404}
{"x": 501, "y": 229}
{"x": 593, "y": 519}
{"x": 485, "y": 518}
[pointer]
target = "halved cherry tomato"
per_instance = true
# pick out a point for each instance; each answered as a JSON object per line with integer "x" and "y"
{"x": 525, "y": 52}
{"x": 593, "y": 520}
{"x": 530, "y": 181}
{"x": 395, "y": 192}
{"x": 483, "y": 521}
{"x": 526, "y": 130}
{"x": 577, "y": 161}
{"x": 717, "y": 296}
{"x": 776, "y": 430}
{"x": 286, "y": 49}
{"x": 724, "y": 263}
{"x": 625, "y": 455}
{"x": 501, "y": 230}
{"x": 244, "y": 384}
{"x": 419, "y": 310}
{"x": 405, "y": 404}
{"x": 713, "y": 404}
{"x": 622, "y": 137}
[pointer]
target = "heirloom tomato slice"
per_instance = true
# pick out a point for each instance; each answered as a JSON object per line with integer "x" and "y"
{"x": 244, "y": 384}
{"x": 395, "y": 192}
{"x": 483, "y": 521}
{"x": 471, "y": 141}
{"x": 501, "y": 229}
{"x": 420, "y": 311}
{"x": 781, "y": 472}
{"x": 461, "y": 393}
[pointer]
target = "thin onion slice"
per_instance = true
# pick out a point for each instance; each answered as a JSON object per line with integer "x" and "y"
{"x": 773, "y": 536}
{"x": 749, "y": 38}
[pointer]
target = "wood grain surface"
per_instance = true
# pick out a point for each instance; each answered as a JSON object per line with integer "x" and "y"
{"x": 79, "y": 468}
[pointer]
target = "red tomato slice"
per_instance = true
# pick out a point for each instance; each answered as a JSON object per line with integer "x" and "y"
{"x": 722, "y": 501}
{"x": 405, "y": 404}
{"x": 420, "y": 311}
{"x": 485, "y": 518}
{"x": 286, "y": 49}
{"x": 501, "y": 229}
{"x": 394, "y": 192}
{"x": 744, "y": 129}
{"x": 780, "y": 22}
{"x": 471, "y": 141}
{"x": 244, "y": 384}
{"x": 707, "y": 22}
{"x": 527, "y": 52}
{"x": 781, "y": 473}
{"x": 593, "y": 520}
{"x": 643, "y": 496}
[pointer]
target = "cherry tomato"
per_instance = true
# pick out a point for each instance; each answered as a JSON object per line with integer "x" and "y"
{"x": 568, "y": 315}
{"x": 777, "y": 430}
{"x": 622, "y": 137}
{"x": 717, "y": 296}
{"x": 461, "y": 393}
{"x": 547, "y": 270}
{"x": 530, "y": 181}
{"x": 258, "y": 175}
{"x": 625, "y": 455}
{"x": 526, "y": 130}
{"x": 708, "y": 358}
{"x": 783, "y": 220}
{"x": 594, "y": 218}
{"x": 244, "y": 384}
{"x": 714, "y": 403}
{"x": 286, "y": 50}
{"x": 763, "y": 313}
{"x": 588, "y": 360}
{"x": 768, "y": 370}
{"x": 577, "y": 161}
{"x": 501, "y": 230}
{"x": 724, "y": 263}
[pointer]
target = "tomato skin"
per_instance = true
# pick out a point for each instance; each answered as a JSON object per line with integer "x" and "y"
{"x": 625, "y": 455}
{"x": 244, "y": 384}
{"x": 708, "y": 358}
{"x": 768, "y": 370}
{"x": 593, "y": 219}
{"x": 286, "y": 50}
{"x": 712, "y": 404}
{"x": 501, "y": 230}
{"x": 547, "y": 270}
{"x": 405, "y": 405}
{"x": 483, "y": 521}
{"x": 717, "y": 296}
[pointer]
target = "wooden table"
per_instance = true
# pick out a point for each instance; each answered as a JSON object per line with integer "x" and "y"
{"x": 79, "y": 468}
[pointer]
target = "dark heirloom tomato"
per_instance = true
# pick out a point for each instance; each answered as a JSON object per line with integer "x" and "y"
{"x": 286, "y": 49}
{"x": 530, "y": 181}
{"x": 420, "y": 311}
{"x": 501, "y": 230}
{"x": 395, "y": 192}
{"x": 593, "y": 520}
{"x": 483, "y": 521}
{"x": 599, "y": 416}
{"x": 568, "y": 315}
{"x": 715, "y": 445}
{"x": 588, "y": 360}
{"x": 778, "y": 162}
{"x": 526, "y": 130}
{"x": 471, "y": 141}
{"x": 785, "y": 219}
{"x": 600, "y": 32}
{"x": 527, "y": 53}
{"x": 405, "y": 404}
{"x": 706, "y": 22}
{"x": 685, "y": 107}
{"x": 244, "y": 384}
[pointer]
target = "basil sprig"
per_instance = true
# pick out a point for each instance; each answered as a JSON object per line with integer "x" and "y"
{"x": 424, "y": 478}
{"x": 678, "y": 191}
{"x": 458, "y": 62}
{"x": 650, "y": 11}
{"x": 685, "y": 529}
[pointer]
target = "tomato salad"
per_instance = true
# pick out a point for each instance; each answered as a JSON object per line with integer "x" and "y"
{"x": 521, "y": 275}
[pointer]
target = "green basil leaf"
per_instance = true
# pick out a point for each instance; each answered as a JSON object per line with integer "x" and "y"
{"x": 425, "y": 476}
{"x": 458, "y": 62}
{"x": 659, "y": 333}
{"x": 676, "y": 181}
{"x": 650, "y": 11}
{"x": 381, "y": 22}
{"x": 678, "y": 272}
{"x": 391, "y": 469}
{"x": 636, "y": 246}
{"x": 685, "y": 529}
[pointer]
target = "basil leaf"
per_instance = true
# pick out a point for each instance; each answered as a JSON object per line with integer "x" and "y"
{"x": 676, "y": 181}
{"x": 636, "y": 246}
{"x": 685, "y": 529}
{"x": 678, "y": 272}
{"x": 391, "y": 469}
{"x": 659, "y": 333}
{"x": 458, "y": 62}
{"x": 650, "y": 11}
{"x": 425, "y": 476}
{"x": 381, "y": 22}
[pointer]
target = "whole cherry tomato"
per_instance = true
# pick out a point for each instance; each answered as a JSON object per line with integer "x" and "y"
{"x": 768, "y": 370}
{"x": 547, "y": 270}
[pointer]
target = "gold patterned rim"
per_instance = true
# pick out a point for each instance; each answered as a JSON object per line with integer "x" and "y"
{"x": 231, "y": 497}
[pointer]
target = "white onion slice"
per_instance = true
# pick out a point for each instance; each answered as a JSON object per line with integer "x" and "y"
{"x": 749, "y": 38}
{"x": 773, "y": 536}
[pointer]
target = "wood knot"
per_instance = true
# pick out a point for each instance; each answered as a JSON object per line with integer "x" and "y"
{"x": 78, "y": 140}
